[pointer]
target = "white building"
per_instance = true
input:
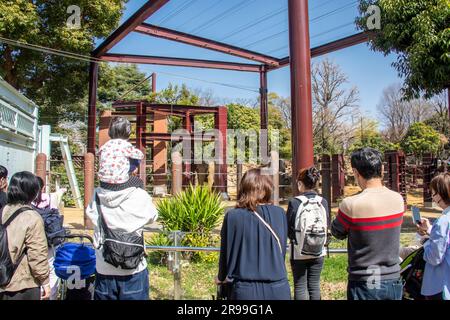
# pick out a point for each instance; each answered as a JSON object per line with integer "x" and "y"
{"x": 18, "y": 130}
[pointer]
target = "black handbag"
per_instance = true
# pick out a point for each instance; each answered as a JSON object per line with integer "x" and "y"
{"x": 224, "y": 291}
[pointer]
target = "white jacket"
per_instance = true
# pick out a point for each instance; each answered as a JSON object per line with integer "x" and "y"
{"x": 128, "y": 210}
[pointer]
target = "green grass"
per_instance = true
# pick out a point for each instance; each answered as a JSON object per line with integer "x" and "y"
{"x": 197, "y": 279}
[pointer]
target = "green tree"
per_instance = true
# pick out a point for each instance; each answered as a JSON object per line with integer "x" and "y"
{"x": 242, "y": 117}
{"x": 57, "y": 84}
{"x": 418, "y": 32}
{"x": 421, "y": 139}
{"x": 123, "y": 82}
{"x": 175, "y": 94}
{"x": 369, "y": 136}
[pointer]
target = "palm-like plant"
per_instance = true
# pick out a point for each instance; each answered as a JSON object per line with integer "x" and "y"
{"x": 197, "y": 210}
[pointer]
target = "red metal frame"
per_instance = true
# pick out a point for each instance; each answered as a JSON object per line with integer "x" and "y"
{"x": 300, "y": 56}
{"x": 179, "y": 62}
{"x": 182, "y": 37}
{"x": 149, "y": 8}
{"x": 340, "y": 44}
{"x": 301, "y": 95}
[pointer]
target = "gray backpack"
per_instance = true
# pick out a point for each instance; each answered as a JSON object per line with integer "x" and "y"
{"x": 310, "y": 229}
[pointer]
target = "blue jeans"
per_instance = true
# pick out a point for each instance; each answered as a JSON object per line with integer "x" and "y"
{"x": 387, "y": 290}
{"x": 134, "y": 287}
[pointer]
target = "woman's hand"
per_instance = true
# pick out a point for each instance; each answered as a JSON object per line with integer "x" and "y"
{"x": 423, "y": 227}
{"x": 217, "y": 281}
{"x": 46, "y": 291}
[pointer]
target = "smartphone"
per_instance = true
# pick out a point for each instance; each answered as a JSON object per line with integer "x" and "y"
{"x": 416, "y": 215}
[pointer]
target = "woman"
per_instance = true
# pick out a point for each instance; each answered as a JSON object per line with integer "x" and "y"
{"x": 43, "y": 202}
{"x": 306, "y": 268}
{"x": 26, "y": 241}
{"x": 253, "y": 243}
{"x": 436, "y": 280}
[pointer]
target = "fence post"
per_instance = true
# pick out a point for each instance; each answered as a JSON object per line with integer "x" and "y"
{"x": 238, "y": 177}
{"x": 211, "y": 174}
{"x": 395, "y": 161}
{"x": 338, "y": 176}
{"x": 177, "y": 173}
{"x": 177, "y": 268}
{"x": 326, "y": 178}
{"x": 41, "y": 167}
{"x": 89, "y": 169}
{"x": 275, "y": 164}
{"x": 428, "y": 170}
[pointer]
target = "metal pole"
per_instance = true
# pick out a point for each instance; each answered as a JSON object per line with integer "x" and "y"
{"x": 177, "y": 268}
{"x": 301, "y": 99}
{"x": 263, "y": 91}
{"x": 154, "y": 82}
{"x": 89, "y": 169}
{"x": 92, "y": 110}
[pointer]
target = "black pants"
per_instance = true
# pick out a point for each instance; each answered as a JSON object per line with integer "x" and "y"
{"x": 435, "y": 297}
{"x": 307, "y": 278}
{"x": 26, "y": 294}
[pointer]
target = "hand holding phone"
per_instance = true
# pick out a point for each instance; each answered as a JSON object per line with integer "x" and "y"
{"x": 416, "y": 215}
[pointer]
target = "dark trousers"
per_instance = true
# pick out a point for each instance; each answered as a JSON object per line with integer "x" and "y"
{"x": 438, "y": 296}
{"x": 26, "y": 294}
{"x": 260, "y": 290}
{"x": 306, "y": 275}
{"x": 134, "y": 287}
{"x": 387, "y": 290}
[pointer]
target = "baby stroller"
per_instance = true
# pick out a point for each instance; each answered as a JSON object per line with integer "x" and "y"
{"x": 412, "y": 270}
{"x": 75, "y": 267}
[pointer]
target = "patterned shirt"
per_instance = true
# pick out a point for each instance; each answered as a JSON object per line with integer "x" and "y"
{"x": 115, "y": 160}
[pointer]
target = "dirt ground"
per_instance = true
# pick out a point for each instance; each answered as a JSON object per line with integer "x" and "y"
{"x": 73, "y": 218}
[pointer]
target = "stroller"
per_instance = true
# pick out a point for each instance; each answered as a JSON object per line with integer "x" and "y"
{"x": 412, "y": 270}
{"x": 75, "y": 267}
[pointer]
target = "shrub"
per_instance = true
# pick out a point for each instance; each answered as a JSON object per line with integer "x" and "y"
{"x": 196, "y": 211}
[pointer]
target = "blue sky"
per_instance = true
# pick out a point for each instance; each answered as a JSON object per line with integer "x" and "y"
{"x": 258, "y": 25}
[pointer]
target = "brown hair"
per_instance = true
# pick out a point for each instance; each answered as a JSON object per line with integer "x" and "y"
{"x": 255, "y": 188}
{"x": 441, "y": 185}
{"x": 309, "y": 177}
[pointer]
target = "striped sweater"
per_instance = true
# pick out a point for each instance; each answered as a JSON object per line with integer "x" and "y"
{"x": 371, "y": 222}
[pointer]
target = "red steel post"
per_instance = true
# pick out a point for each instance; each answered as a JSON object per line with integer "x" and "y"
{"x": 89, "y": 171}
{"x": 41, "y": 167}
{"x": 301, "y": 99}
{"x": 220, "y": 123}
{"x": 154, "y": 82}
{"x": 92, "y": 110}
{"x": 264, "y": 110}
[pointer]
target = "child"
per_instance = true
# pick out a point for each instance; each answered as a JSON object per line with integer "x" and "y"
{"x": 116, "y": 157}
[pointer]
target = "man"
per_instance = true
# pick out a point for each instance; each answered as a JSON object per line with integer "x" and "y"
{"x": 371, "y": 221}
{"x": 3, "y": 185}
{"x": 122, "y": 210}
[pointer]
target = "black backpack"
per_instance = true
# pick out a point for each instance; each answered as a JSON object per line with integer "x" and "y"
{"x": 120, "y": 249}
{"x": 53, "y": 223}
{"x": 7, "y": 267}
